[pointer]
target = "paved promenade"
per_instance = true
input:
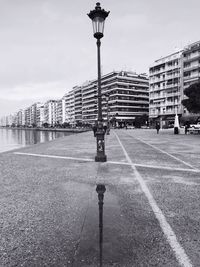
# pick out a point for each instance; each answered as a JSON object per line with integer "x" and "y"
{"x": 49, "y": 212}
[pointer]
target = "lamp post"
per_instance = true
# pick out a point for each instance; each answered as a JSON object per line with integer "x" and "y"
{"x": 98, "y": 17}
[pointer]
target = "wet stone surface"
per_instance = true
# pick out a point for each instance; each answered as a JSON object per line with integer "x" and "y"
{"x": 51, "y": 213}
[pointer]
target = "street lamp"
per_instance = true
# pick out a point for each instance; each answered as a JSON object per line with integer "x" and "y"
{"x": 98, "y": 17}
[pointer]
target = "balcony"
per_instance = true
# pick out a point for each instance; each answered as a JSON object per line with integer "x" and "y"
{"x": 192, "y": 57}
{"x": 173, "y": 94}
{"x": 173, "y": 85}
{"x": 192, "y": 77}
{"x": 192, "y": 67}
{"x": 172, "y": 76}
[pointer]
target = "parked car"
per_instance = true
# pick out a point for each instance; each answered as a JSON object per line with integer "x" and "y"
{"x": 195, "y": 126}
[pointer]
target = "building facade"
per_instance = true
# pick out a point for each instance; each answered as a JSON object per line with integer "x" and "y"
{"x": 191, "y": 66}
{"x": 127, "y": 93}
{"x": 70, "y": 107}
{"x": 59, "y": 112}
{"x": 165, "y": 89}
{"x": 78, "y": 104}
{"x": 89, "y": 102}
{"x": 125, "y": 97}
{"x": 50, "y": 112}
{"x": 40, "y": 119}
{"x": 168, "y": 77}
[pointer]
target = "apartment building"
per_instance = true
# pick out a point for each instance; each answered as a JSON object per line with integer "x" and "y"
{"x": 168, "y": 77}
{"x": 78, "y": 104}
{"x": 127, "y": 93}
{"x": 128, "y": 99}
{"x": 20, "y": 117}
{"x": 59, "y": 112}
{"x": 27, "y": 117}
{"x": 40, "y": 119}
{"x": 50, "y": 112}
{"x": 89, "y": 101}
{"x": 165, "y": 89}
{"x": 191, "y": 66}
{"x": 3, "y": 121}
{"x": 70, "y": 107}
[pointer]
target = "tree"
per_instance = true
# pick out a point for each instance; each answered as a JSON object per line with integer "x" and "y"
{"x": 192, "y": 103}
{"x": 45, "y": 125}
{"x": 141, "y": 120}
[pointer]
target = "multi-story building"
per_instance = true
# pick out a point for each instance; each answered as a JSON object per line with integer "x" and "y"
{"x": 19, "y": 117}
{"x": 128, "y": 97}
{"x": 70, "y": 107}
{"x": 40, "y": 115}
{"x": 89, "y": 101}
{"x": 27, "y": 117}
{"x": 50, "y": 108}
{"x": 59, "y": 112}
{"x": 3, "y": 121}
{"x": 10, "y": 120}
{"x": 191, "y": 65}
{"x": 33, "y": 114}
{"x": 165, "y": 90}
{"x": 78, "y": 104}
{"x": 63, "y": 110}
{"x": 168, "y": 77}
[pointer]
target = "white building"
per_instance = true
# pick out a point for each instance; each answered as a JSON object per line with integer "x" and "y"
{"x": 50, "y": 112}
{"x": 40, "y": 119}
{"x": 168, "y": 77}
{"x": 3, "y": 121}
{"x": 70, "y": 107}
{"x": 191, "y": 66}
{"x": 165, "y": 90}
{"x": 128, "y": 97}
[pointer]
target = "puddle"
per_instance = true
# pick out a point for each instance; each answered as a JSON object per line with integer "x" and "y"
{"x": 100, "y": 189}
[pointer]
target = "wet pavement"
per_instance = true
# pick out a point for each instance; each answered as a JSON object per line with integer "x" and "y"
{"x": 141, "y": 208}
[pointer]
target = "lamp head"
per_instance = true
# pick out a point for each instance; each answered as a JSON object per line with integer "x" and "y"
{"x": 98, "y": 16}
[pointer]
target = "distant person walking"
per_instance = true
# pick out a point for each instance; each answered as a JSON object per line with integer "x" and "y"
{"x": 94, "y": 128}
{"x": 187, "y": 126}
{"x": 157, "y": 127}
{"x": 105, "y": 128}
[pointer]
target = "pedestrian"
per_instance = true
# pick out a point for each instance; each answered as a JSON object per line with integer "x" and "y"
{"x": 157, "y": 127}
{"x": 105, "y": 128}
{"x": 187, "y": 126}
{"x": 94, "y": 128}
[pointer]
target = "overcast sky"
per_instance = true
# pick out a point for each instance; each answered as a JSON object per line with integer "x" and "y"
{"x": 47, "y": 46}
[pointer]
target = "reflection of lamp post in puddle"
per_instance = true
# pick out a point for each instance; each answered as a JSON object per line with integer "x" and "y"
{"x": 100, "y": 191}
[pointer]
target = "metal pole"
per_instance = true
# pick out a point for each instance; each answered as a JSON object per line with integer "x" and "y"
{"x": 99, "y": 80}
{"x": 100, "y": 157}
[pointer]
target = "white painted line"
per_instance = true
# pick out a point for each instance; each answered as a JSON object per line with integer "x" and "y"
{"x": 164, "y": 152}
{"x": 118, "y": 162}
{"x": 179, "y": 251}
{"x": 52, "y": 156}
{"x": 165, "y": 168}
{"x": 109, "y": 162}
{"x": 62, "y": 157}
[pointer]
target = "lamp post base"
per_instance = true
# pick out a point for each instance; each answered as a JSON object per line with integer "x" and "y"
{"x": 100, "y": 156}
